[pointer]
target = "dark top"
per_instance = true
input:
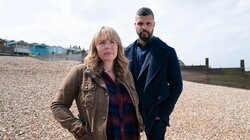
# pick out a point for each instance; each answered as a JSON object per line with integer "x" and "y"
{"x": 141, "y": 52}
{"x": 122, "y": 122}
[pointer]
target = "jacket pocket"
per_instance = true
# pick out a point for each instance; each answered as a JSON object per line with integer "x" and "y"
{"x": 88, "y": 94}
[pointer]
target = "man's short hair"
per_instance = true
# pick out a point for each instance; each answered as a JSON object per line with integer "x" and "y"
{"x": 145, "y": 11}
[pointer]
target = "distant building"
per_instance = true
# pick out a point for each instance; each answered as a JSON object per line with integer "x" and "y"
{"x": 2, "y": 43}
{"x": 11, "y": 47}
{"x": 56, "y": 50}
{"x": 39, "y": 49}
{"x": 20, "y": 47}
{"x": 73, "y": 50}
{"x": 4, "y": 48}
{"x": 43, "y": 49}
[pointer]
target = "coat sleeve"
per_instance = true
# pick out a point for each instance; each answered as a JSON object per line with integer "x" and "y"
{"x": 66, "y": 94}
{"x": 175, "y": 85}
{"x": 135, "y": 99}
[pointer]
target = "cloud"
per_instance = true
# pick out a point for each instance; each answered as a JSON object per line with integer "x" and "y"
{"x": 196, "y": 29}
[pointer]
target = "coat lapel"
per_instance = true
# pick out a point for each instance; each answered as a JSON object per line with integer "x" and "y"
{"x": 145, "y": 64}
{"x": 155, "y": 62}
{"x": 131, "y": 56}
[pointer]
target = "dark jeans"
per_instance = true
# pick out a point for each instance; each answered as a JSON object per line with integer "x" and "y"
{"x": 157, "y": 131}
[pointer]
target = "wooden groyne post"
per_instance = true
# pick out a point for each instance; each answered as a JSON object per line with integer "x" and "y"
{"x": 242, "y": 66}
{"x": 207, "y": 69}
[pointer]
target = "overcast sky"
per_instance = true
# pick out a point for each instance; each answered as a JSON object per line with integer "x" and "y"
{"x": 197, "y": 29}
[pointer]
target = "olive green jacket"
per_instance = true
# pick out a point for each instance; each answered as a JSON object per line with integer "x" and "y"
{"x": 92, "y": 100}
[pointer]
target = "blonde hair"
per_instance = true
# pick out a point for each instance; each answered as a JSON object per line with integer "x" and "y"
{"x": 94, "y": 62}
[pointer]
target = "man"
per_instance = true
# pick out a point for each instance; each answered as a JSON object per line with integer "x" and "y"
{"x": 157, "y": 76}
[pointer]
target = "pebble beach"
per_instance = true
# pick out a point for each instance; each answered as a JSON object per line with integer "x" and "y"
{"x": 28, "y": 86}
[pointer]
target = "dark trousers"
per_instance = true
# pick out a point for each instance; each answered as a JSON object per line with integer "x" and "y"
{"x": 157, "y": 131}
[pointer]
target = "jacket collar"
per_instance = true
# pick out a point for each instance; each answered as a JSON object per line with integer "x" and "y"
{"x": 154, "y": 60}
{"x": 97, "y": 78}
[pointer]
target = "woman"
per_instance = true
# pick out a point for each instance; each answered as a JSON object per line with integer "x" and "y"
{"x": 104, "y": 92}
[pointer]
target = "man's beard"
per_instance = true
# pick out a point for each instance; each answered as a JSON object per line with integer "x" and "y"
{"x": 143, "y": 37}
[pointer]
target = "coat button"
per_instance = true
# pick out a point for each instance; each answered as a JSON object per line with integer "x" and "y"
{"x": 159, "y": 97}
{"x": 157, "y": 80}
{"x": 103, "y": 117}
{"x": 106, "y": 94}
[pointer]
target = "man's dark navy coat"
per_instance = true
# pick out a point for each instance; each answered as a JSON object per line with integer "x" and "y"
{"x": 159, "y": 83}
